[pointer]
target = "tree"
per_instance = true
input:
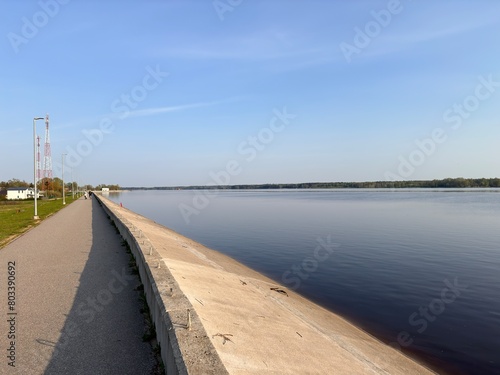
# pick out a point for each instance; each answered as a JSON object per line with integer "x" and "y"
{"x": 14, "y": 183}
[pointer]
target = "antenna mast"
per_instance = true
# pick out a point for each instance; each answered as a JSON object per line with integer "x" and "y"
{"x": 38, "y": 161}
{"x": 47, "y": 160}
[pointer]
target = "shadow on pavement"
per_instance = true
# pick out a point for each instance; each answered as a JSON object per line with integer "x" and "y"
{"x": 103, "y": 331}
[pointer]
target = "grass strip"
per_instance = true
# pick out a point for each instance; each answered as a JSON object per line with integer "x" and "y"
{"x": 16, "y": 217}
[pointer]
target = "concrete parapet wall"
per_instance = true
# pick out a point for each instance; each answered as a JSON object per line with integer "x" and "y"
{"x": 185, "y": 346}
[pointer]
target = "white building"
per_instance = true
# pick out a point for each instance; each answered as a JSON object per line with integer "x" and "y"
{"x": 20, "y": 193}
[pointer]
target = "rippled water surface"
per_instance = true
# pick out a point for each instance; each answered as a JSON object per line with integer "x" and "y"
{"x": 419, "y": 269}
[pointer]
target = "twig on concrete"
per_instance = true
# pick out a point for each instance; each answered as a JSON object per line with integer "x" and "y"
{"x": 280, "y": 291}
{"x": 224, "y": 337}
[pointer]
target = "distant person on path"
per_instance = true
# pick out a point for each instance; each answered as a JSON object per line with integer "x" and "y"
{"x": 85, "y": 195}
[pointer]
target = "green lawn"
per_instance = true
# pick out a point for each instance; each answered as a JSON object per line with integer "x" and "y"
{"x": 16, "y": 217}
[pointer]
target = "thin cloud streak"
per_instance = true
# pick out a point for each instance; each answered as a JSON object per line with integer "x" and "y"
{"x": 395, "y": 42}
{"x": 115, "y": 116}
{"x": 155, "y": 111}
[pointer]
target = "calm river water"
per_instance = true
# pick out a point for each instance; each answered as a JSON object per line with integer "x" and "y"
{"x": 419, "y": 269}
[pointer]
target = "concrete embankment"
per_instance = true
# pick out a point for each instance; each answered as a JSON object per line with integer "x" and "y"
{"x": 214, "y": 316}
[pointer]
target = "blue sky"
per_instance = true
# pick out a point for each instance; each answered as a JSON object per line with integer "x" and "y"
{"x": 164, "y": 93}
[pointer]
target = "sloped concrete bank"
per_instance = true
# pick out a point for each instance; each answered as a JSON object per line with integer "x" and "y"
{"x": 185, "y": 346}
{"x": 241, "y": 322}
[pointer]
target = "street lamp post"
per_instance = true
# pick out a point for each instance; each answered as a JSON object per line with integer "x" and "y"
{"x": 35, "y": 217}
{"x": 63, "y": 192}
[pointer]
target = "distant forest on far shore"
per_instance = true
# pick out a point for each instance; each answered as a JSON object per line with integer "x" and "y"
{"x": 445, "y": 183}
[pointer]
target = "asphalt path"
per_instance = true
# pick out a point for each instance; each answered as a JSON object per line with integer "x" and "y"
{"x": 75, "y": 308}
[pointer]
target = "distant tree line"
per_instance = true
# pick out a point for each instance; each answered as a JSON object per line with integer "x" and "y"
{"x": 53, "y": 186}
{"x": 445, "y": 183}
{"x": 110, "y": 187}
{"x": 14, "y": 182}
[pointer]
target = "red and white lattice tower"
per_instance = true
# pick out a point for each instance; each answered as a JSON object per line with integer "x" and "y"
{"x": 38, "y": 160}
{"x": 47, "y": 158}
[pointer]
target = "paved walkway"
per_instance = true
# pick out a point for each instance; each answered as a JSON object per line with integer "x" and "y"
{"x": 77, "y": 310}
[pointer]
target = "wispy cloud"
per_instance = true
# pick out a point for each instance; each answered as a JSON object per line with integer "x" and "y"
{"x": 117, "y": 116}
{"x": 159, "y": 110}
{"x": 243, "y": 51}
{"x": 445, "y": 31}
{"x": 395, "y": 40}
{"x": 263, "y": 45}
